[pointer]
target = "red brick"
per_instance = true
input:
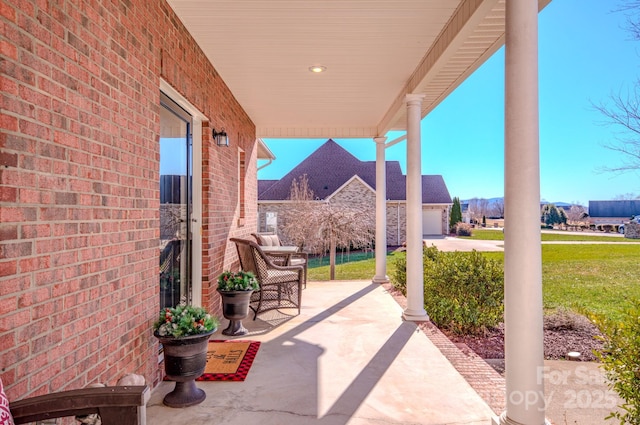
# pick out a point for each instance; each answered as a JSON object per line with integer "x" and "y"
{"x": 28, "y": 265}
{"x": 8, "y": 159}
{"x": 16, "y": 250}
{"x": 8, "y": 194}
{"x": 15, "y": 214}
{"x": 14, "y": 319}
{"x": 7, "y": 11}
{"x": 8, "y": 122}
{"x": 83, "y": 124}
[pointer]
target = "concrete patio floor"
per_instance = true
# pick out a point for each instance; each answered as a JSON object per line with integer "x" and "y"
{"x": 348, "y": 358}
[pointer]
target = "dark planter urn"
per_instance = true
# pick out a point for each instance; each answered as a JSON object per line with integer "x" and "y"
{"x": 184, "y": 360}
{"x": 235, "y": 307}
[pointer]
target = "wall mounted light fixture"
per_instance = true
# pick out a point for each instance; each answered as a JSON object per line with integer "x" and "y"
{"x": 221, "y": 138}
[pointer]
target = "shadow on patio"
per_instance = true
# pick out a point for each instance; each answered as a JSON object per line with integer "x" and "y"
{"x": 348, "y": 358}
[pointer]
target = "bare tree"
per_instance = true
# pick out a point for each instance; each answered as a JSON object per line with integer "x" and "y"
{"x": 322, "y": 226}
{"x": 497, "y": 208}
{"x": 624, "y": 115}
{"x": 631, "y": 8}
{"x": 623, "y": 110}
{"x": 576, "y": 214}
{"x": 626, "y": 196}
{"x": 478, "y": 208}
{"x": 295, "y": 227}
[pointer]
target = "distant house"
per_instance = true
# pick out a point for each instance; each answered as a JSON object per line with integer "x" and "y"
{"x": 613, "y": 213}
{"x": 337, "y": 176}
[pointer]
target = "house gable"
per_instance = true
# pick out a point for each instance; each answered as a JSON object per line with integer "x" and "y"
{"x": 330, "y": 167}
{"x": 354, "y": 190}
{"x": 333, "y": 174}
{"x": 327, "y": 168}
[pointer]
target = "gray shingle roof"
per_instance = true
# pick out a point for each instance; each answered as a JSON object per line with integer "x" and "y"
{"x": 623, "y": 209}
{"x": 330, "y": 166}
{"x": 265, "y": 184}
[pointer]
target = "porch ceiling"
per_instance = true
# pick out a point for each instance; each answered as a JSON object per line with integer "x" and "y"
{"x": 375, "y": 52}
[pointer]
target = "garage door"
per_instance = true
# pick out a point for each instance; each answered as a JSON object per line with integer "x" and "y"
{"x": 431, "y": 222}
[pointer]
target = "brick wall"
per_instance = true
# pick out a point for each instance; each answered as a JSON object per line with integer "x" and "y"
{"x": 79, "y": 172}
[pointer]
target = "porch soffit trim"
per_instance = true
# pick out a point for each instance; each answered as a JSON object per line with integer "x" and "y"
{"x": 469, "y": 15}
{"x": 345, "y": 184}
{"x": 263, "y": 150}
{"x": 476, "y": 25}
{"x": 316, "y": 132}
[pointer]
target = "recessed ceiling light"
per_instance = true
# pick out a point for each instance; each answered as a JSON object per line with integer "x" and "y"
{"x": 317, "y": 68}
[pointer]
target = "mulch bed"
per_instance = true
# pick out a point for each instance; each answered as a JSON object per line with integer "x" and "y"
{"x": 563, "y": 332}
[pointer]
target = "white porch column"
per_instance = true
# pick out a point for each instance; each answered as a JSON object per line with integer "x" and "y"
{"x": 415, "y": 292}
{"x": 381, "y": 213}
{"x": 524, "y": 351}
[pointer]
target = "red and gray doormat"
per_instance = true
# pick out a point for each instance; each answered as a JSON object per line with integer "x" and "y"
{"x": 229, "y": 360}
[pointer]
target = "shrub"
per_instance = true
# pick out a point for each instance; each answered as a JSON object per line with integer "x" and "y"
{"x": 399, "y": 274}
{"x": 463, "y": 229}
{"x": 463, "y": 291}
{"x": 456, "y": 214}
{"x": 621, "y": 361}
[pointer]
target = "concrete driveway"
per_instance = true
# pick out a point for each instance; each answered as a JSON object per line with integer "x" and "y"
{"x": 447, "y": 243}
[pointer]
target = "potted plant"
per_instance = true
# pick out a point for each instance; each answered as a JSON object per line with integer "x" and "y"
{"x": 184, "y": 332}
{"x": 236, "y": 288}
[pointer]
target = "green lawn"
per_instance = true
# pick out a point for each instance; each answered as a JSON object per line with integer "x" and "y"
{"x": 586, "y": 278}
{"x": 341, "y": 258}
{"x": 361, "y": 266}
{"x": 591, "y": 279}
{"x": 497, "y": 235}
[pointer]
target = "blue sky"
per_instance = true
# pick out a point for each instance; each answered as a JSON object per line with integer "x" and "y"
{"x": 585, "y": 55}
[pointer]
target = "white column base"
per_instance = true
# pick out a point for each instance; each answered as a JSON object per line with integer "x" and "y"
{"x": 415, "y": 316}
{"x": 504, "y": 420}
{"x": 380, "y": 279}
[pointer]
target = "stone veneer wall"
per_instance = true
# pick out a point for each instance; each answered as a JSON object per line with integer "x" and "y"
{"x": 396, "y": 223}
{"x": 354, "y": 193}
{"x": 632, "y": 230}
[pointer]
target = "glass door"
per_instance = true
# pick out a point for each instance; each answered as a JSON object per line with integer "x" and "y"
{"x": 175, "y": 204}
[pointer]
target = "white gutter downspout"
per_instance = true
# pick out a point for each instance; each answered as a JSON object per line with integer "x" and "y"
{"x": 265, "y": 165}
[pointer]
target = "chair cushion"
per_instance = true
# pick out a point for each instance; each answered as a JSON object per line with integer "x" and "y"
{"x": 269, "y": 240}
{"x": 263, "y": 240}
{"x": 5, "y": 413}
{"x": 275, "y": 241}
{"x": 280, "y": 276}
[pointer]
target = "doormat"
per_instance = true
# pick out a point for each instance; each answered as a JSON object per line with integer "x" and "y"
{"x": 229, "y": 360}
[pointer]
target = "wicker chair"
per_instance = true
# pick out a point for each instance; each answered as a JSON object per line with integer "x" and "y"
{"x": 297, "y": 259}
{"x": 280, "y": 286}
